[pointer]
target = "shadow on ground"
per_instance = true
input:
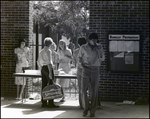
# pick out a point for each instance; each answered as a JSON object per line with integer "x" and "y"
{"x": 70, "y": 109}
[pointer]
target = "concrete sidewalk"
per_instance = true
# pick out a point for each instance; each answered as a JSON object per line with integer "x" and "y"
{"x": 11, "y": 108}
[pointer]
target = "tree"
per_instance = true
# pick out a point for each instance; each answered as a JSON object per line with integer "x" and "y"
{"x": 68, "y": 18}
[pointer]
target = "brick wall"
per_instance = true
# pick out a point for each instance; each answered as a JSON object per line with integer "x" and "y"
{"x": 122, "y": 16}
{"x": 15, "y": 24}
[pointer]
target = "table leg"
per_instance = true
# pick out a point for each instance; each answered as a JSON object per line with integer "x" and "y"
{"x": 75, "y": 88}
{"x": 70, "y": 87}
{"x": 32, "y": 85}
{"x": 23, "y": 90}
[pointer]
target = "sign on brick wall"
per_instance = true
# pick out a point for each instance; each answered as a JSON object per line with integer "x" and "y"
{"x": 123, "y": 52}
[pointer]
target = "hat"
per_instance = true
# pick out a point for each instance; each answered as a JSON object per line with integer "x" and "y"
{"x": 93, "y": 36}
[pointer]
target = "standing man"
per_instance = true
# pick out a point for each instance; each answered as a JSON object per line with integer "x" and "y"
{"x": 46, "y": 65}
{"x": 81, "y": 41}
{"x": 90, "y": 56}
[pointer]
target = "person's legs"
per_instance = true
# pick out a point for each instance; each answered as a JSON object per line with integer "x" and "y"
{"x": 44, "y": 83}
{"x": 17, "y": 92}
{"x": 63, "y": 98}
{"x": 23, "y": 84}
{"x": 79, "y": 72}
{"x": 22, "y": 90}
{"x": 61, "y": 82}
{"x": 18, "y": 82}
{"x": 84, "y": 87}
{"x": 51, "y": 102}
{"x": 94, "y": 82}
{"x": 99, "y": 102}
{"x": 65, "y": 66}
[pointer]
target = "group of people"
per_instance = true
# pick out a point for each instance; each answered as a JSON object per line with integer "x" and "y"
{"x": 54, "y": 60}
{"x": 86, "y": 58}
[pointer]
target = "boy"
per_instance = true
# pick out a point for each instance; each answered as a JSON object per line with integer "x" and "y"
{"x": 46, "y": 65}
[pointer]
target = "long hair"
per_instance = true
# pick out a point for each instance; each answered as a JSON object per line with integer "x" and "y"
{"x": 54, "y": 46}
{"x": 22, "y": 40}
{"x": 65, "y": 45}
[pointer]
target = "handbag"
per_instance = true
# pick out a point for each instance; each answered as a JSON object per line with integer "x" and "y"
{"x": 52, "y": 91}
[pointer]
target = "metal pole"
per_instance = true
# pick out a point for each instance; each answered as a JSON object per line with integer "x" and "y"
{"x": 36, "y": 45}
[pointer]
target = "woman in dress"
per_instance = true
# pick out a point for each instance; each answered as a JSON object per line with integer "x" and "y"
{"x": 22, "y": 60}
{"x": 65, "y": 56}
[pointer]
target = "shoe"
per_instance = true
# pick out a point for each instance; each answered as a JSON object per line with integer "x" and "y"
{"x": 81, "y": 107}
{"x": 62, "y": 100}
{"x": 92, "y": 115}
{"x": 18, "y": 98}
{"x": 85, "y": 112}
{"x": 43, "y": 105}
{"x": 99, "y": 107}
{"x": 52, "y": 106}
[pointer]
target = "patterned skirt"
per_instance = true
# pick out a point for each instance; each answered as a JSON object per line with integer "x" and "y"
{"x": 19, "y": 80}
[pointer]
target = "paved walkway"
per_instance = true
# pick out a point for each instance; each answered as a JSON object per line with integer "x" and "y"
{"x": 11, "y": 108}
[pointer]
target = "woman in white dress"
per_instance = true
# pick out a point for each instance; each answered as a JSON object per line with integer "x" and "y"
{"x": 65, "y": 56}
{"x": 22, "y": 56}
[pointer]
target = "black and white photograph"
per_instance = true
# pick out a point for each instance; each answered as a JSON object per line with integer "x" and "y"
{"x": 74, "y": 59}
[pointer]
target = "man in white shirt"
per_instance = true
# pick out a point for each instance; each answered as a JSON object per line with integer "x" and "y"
{"x": 46, "y": 65}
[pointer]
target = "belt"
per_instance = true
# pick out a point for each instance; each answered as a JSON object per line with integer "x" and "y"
{"x": 91, "y": 67}
{"x": 44, "y": 65}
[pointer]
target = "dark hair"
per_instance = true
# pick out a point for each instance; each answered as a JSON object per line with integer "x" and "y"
{"x": 22, "y": 40}
{"x": 81, "y": 41}
{"x": 93, "y": 36}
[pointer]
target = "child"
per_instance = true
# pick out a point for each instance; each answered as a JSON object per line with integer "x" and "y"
{"x": 46, "y": 65}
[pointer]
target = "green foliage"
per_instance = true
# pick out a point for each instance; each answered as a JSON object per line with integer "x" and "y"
{"x": 69, "y": 18}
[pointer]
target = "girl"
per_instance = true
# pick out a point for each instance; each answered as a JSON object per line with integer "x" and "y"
{"x": 65, "y": 56}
